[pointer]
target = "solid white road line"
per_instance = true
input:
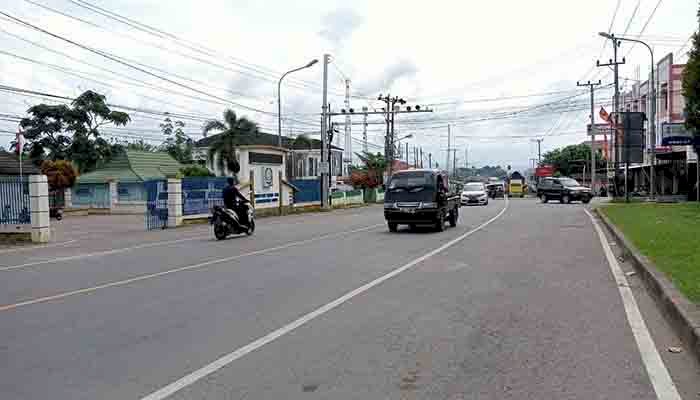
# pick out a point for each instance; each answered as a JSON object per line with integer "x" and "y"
{"x": 240, "y": 352}
{"x": 658, "y": 374}
{"x": 58, "y": 296}
{"x": 98, "y": 253}
{"x": 39, "y": 247}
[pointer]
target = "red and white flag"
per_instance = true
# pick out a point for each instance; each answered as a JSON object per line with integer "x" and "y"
{"x": 20, "y": 140}
{"x": 604, "y": 115}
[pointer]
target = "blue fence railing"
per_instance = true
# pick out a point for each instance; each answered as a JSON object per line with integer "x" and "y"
{"x": 156, "y": 204}
{"x": 14, "y": 200}
{"x": 199, "y": 195}
{"x": 309, "y": 190}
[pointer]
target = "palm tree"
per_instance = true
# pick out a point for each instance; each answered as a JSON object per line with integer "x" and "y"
{"x": 225, "y": 143}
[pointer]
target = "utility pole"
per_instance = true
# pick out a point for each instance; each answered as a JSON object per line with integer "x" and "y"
{"x": 348, "y": 131}
{"x": 325, "y": 169}
{"x": 539, "y": 150}
{"x": 449, "y": 147}
{"x": 421, "y": 156}
{"x": 430, "y": 160}
{"x": 364, "y": 130}
{"x": 616, "y": 107}
{"x": 454, "y": 162}
{"x": 592, "y": 86}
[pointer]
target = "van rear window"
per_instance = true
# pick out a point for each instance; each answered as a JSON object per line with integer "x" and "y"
{"x": 410, "y": 180}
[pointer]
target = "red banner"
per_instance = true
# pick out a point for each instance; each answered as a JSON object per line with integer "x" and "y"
{"x": 545, "y": 170}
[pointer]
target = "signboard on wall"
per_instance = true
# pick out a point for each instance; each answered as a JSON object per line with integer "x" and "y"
{"x": 268, "y": 177}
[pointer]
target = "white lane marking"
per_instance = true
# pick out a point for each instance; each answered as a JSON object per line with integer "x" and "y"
{"x": 180, "y": 269}
{"x": 656, "y": 369}
{"x": 98, "y": 253}
{"x": 26, "y": 248}
{"x": 250, "y": 347}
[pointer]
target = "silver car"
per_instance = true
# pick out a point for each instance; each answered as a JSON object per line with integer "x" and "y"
{"x": 474, "y": 193}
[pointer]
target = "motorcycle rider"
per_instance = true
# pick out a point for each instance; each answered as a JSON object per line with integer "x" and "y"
{"x": 231, "y": 195}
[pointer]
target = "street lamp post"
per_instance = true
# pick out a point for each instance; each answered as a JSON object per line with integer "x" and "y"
{"x": 279, "y": 99}
{"x": 652, "y": 118}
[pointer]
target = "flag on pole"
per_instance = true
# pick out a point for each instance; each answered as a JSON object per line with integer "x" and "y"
{"x": 19, "y": 140}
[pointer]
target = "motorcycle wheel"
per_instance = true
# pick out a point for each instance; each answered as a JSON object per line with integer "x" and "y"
{"x": 219, "y": 232}
{"x": 59, "y": 217}
{"x": 251, "y": 228}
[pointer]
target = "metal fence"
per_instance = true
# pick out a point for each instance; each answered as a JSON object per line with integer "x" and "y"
{"x": 199, "y": 195}
{"x": 309, "y": 190}
{"x": 156, "y": 204}
{"x": 14, "y": 200}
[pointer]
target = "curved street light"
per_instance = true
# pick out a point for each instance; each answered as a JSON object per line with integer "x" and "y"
{"x": 279, "y": 99}
{"x": 652, "y": 118}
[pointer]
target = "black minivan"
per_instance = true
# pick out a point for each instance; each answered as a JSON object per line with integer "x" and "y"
{"x": 563, "y": 189}
{"x": 420, "y": 197}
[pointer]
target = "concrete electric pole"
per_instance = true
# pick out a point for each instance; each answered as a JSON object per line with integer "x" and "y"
{"x": 591, "y": 86}
{"x": 325, "y": 168}
{"x": 616, "y": 107}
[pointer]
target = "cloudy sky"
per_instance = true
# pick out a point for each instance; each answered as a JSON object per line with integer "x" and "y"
{"x": 500, "y": 73}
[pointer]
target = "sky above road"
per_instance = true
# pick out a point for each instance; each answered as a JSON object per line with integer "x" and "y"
{"x": 500, "y": 73}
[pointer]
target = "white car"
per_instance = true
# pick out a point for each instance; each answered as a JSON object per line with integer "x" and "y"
{"x": 474, "y": 193}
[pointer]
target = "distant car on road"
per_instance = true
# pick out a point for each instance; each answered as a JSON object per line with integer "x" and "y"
{"x": 496, "y": 190}
{"x": 563, "y": 189}
{"x": 474, "y": 193}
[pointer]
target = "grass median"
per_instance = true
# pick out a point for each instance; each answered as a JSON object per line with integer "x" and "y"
{"x": 669, "y": 235}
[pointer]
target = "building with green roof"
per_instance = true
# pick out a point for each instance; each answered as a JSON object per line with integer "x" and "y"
{"x": 121, "y": 179}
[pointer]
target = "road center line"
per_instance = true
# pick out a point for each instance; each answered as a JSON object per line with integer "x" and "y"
{"x": 656, "y": 369}
{"x": 227, "y": 359}
{"x": 123, "y": 282}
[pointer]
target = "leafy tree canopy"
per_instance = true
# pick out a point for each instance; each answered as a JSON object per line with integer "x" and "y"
{"x": 691, "y": 86}
{"x": 58, "y": 132}
{"x": 569, "y": 159}
{"x": 195, "y": 170}
{"x": 177, "y": 143}
{"x": 223, "y": 148}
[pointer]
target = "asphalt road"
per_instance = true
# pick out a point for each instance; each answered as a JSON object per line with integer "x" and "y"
{"x": 524, "y": 308}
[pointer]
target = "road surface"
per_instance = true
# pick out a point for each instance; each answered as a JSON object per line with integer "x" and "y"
{"x": 516, "y": 302}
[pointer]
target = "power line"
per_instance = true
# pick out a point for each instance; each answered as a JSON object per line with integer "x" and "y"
{"x": 196, "y": 47}
{"x": 121, "y": 61}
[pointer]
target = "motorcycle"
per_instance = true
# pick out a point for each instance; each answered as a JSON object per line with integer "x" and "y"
{"x": 226, "y": 222}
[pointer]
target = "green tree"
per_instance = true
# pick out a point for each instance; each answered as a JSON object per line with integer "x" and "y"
{"x": 302, "y": 142}
{"x": 371, "y": 174}
{"x": 177, "y": 143}
{"x": 223, "y": 147}
{"x": 58, "y": 132}
{"x": 195, "y": 170}
{"x": 691, "y": 87}
{"x": 569, "y": 159}
{"x": 141, "y": 145}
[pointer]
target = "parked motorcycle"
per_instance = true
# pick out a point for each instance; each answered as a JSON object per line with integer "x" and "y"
{"x": 226, "y": 222}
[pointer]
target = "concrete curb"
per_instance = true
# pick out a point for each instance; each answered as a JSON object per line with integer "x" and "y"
{"x": 683, "y": 315}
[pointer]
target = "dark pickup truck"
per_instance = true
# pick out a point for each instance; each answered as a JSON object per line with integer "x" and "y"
{"x": 420, "y": 197}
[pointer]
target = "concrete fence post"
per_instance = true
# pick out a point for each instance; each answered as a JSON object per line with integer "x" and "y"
{"x": 281, "y": 194}
{"x": 174, "y": 203}
{"x": 39, "y": 206}
{"x": 68, "y": 198}
{"x": 113, "y": 195}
